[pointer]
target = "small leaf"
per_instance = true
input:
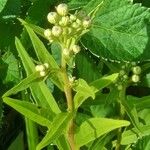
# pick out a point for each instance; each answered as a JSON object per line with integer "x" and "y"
{"x": 29, "y": 110}
{"x": 82, "y": 87}
{"x": 96, "y": 127}
{"x": 57, "y": 128}
{"x": 96, "y": 85}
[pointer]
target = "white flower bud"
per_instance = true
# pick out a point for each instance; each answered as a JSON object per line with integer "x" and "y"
{"x": 78, "y": 21}
{"x": 47, "y": 33}
{"x": 52, "y": 17}
{"x": 122, "y": 72}
{"x": 39, "y": 68}
{"x": 75, "y": 25}
{"x": 66, "y": 51}
{"x": 64, "y": 21}
{"x": 75, "y": 49}
{"x": 56, "y": 31}
{"x": 73, "y": 17}
{"x": 46, "y": 65}
{"x": 135, "y": 78}
{"x": 42, "y": 73}
{"x": 62, "y": 9}
{"x": 86, "y": 22}
{"x": 136, "y": 70}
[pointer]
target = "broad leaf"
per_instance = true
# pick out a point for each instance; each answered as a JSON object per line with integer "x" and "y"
{"x": 57, "y": 128}
{"x": 125, "y": 37}
{"x": 29, "y": 110}
{"x": 96, "y": 127}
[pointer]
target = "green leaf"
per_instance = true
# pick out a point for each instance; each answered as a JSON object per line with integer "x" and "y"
{"x": 83, "y": 88}
{"x": 44, "y": 56}
{"x": 40, "y": 91}
{"x": 2, "y": 4}
{"x": 35, "y": 28}
{"x": 97, "y": 85}
{"x": 125, "y": 37}
{"x": 29, "y": 110}
{"x": 96, "y": 127}
{"x": 24, "y": 84}
{"x": 131, "y": 136}
{"x": 103, "y": 82}
{"x": 57, "y": 128}
{"x": 13, "y": 74}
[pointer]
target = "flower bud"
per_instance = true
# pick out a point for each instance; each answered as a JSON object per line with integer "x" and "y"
{"x": 75, "y": 49}
{"x": 86, "y": 22}
{"x": 39, "y": 68}
{"x": 78, "y": 21}
{"x": 56, "y": 31}
{"x": 75, "y": 25}
{"x": 62, "y": 9}
{"x": 136, "y": 70}
{"x": 66, "y": 51}
{"x": 52, "y": 17}
{"x": 135, "y": 78}
{"x": 73, "y": 17}
{"x": 64, "y": 21}
{"x": 46, "y": 65}
{"x": 47, "y": 33}
{"x": 42, "y": 73}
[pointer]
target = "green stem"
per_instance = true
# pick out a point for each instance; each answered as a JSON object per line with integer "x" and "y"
{"x": 32, "y": 134}
{"x": 31, "y": 129}
{"x": 70, "y": 104}
{"x": 122, "y": 113}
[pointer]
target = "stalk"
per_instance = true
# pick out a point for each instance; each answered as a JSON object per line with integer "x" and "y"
{"x": 122, "y": 113}
{"x": 70, "y": 104}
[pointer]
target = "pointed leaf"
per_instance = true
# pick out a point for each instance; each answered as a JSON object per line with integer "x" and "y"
{"x": 24, "y": 84}
{"x": 59, "y": 124}
{"x": 96, "y": 127}
{"x": 27, "y": 109}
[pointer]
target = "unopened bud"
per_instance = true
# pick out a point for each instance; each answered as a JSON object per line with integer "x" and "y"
{"x": 64, "y": 21}
{"x": 66, "y": 51}
{"x": 73, "y": 17}
{"x": 47, "y": 33}
{"x": 46, "y": 65}
{"x": 42, "y": 73}
{"x": 87, "y": 22}
{"x": 75, "y": 49}
{"x": 52, "y": 17}
{"x": 56, "y": 31}
{"x": 39, "y": 68}
{"x": 62, "y": 9}
{"x": 135, "y": 78}
{"x": 136, "y": 70}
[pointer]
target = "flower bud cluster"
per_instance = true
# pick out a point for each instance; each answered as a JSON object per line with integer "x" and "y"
{"x": 42, "y": 69}
{"x": 67, "y": 27}
{"x": 136, "y": 70}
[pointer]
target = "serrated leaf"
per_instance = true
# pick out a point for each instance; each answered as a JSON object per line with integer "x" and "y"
{"x": 96, "y": 127}
{"x": 125, "y": 37}
{"x": 27, "y": 109}
{"x": 57, "y": 127}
